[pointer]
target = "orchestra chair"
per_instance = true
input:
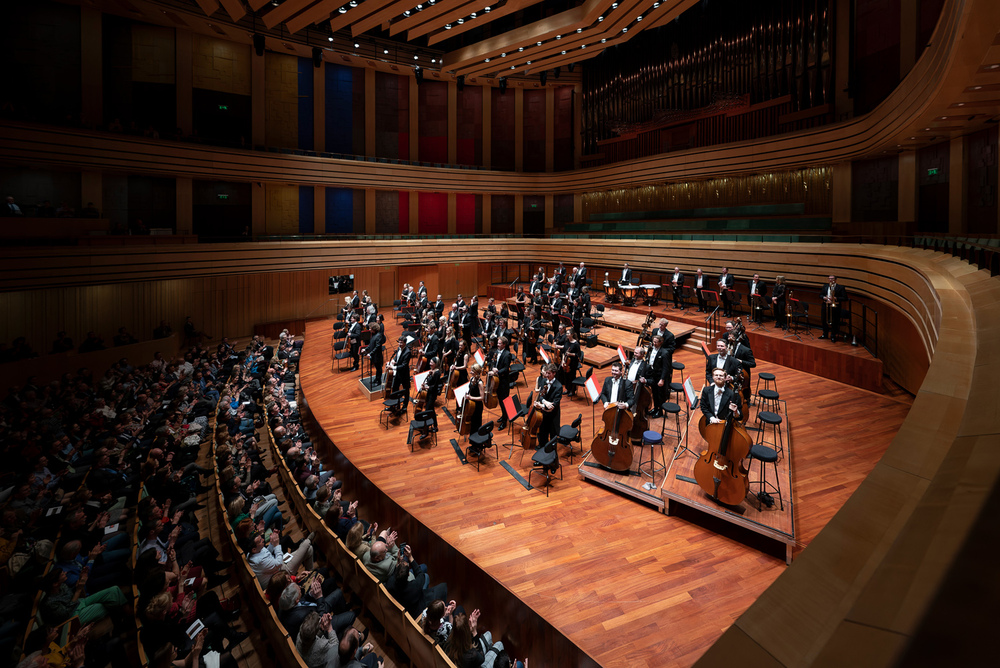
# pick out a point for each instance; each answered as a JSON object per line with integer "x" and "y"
{"x": 599, "y": 312}
{"x": 777, "y": 442}
{"x": 652, "y": 439}
{"x": 481, "y": 441}
{"x": 736, "y": 301}
{"x": 339, "y": 324}
{"x": 580, "y": 381}
{"x": 686, "y": 296}
{"x": 396, "y": 308}
{"x": 340, "y": 334}
{"x": 546, "y": 463}
{"x": 798, "y": 318}
{"x": 766, "y": 455}
{"x": 341, "y": 353}
{"x": 395, "y": 405}
{"x": 421, "y": 425}
{"x": 569, "y": 434}
{"x": 586, "y": 325}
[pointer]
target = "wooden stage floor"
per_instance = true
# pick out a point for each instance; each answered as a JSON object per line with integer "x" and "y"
{"x": 628, "y": 584}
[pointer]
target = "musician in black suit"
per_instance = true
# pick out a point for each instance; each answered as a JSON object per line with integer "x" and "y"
{"x": 439, "y": 307}
{"x": 833, "y": 296}
{"x": 721, "y": 360}
{"x": 354, "y": 338}
{"x": 581, "y": 275}
{"x": 740, "y": 349}
{"x": 719, "y": 401}
{"x": 548, "y": 393}
{"x": 432, "y": 345}
{"x": 659, "y": 371}
{"x": 500, "y": 368}
{"x": 637, "y": 369}
{"x": 400, "y": 365}
{"x": 572, "y": 355}
{"x": 467, "y": 321}
{"x": 422, "y": 290}
{"x": 677, "y": 286}
{"x": 701, "y": 282}
{"x": 373, "y": 351}
{"x": 725, "y": 285}
{"x": 533, "y": 331}
{"x": 669, "y": 342}
{"x": 626, "y": 278}
{"x": 755, "y": 286}
{"x": 617, "y": 389}
{"x": 779, "y": 300}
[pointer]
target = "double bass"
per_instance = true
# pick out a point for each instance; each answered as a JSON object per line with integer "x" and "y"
{"x": 532, "y": 422}
{"x": 720, "y": 470}
{"x": 491, "y": 399}
{"x": 611, "y": 447}
{"x": 640, "y": 423}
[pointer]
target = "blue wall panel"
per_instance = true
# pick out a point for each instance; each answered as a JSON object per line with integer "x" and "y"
{"x": 306, "y": 104}
{"x": 339, "y": 109}
{"x": 307, "y": 205}
{"x": 339, "y": 211}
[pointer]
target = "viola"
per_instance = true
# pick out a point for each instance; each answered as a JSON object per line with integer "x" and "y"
{"x": 611, "y": 447}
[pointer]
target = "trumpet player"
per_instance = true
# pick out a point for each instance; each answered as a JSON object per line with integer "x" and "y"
{"x": 833, "y": 296}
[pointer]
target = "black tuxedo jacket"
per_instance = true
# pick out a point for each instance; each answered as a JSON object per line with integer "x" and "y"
{"x": 761, "y": 288}
{"x": 626, "y": 276}
{"x": 732, "y": 366}
{"x": 626, "y": 392}
{"x": 669, "y": 342}
{"x": 680, "y": 280}
{"x": 660, "y": 369}
{"x": 706, "y": 402}
{"x": 839, "y": 292}
{"x": 643, "y": 371}
{"x": 727, "y": 281}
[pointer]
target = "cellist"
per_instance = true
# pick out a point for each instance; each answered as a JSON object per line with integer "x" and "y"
{"x": 500, "y": 368}
{"x": 718, "y": 400}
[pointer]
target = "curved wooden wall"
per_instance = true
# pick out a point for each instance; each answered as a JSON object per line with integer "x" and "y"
{"x": 965, "y": 32}
{"x": 869, "y": 576}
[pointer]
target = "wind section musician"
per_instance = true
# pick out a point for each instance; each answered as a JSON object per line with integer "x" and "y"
{"x": 833, "y": 296}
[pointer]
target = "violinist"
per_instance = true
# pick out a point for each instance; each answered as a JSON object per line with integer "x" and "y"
{"x": 491, "y": 307}
{"x": 373, "y": 351}
{"x": 532, "y": 331}
{"x": 354, "y": 337}
{"x": 617, "y": 390}
{"x": 475, "y": 417}
{"x": 371, "y": 315}
{"x": 721, "y": 360}
{"x": 548, "y": 393}
{"x": 504, "y": 311}
{"x": 571, "y": 362}
{"x": 400, "y": 367}
{"x": 538, "y": 301}
{"x": 718, "y": 400}
{"x": 448, "y": 348}
{"x": 500, "y": 369}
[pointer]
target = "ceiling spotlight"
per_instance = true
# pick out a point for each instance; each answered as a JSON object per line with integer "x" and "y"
{"x": 357, "y": 46}
{"x": 655, "y": 5}
{"x": 354, "y": 3}
{"x": 486, "y": 9}
{"x": 406, "y": 12}
{"x": 447, "y": 26}
{"x": 415, "y": 57}
{"x": 558, "y": 36}
{"x": 624, "y": 29}
{"x": 420, "y": 7}
{"x": 600, "y": 18}
{"x": 343, "y": 10}
{"x": 538, "y": 43}
{"x": 472, "y": 16}
{"x": 513, "y": 67}
{"x": 487, "y": 60}
{"x": 614, "y": 5}
{"x": 638, "y": 18}
{"x": 520, "y": 48}
{"x": 433, "y": 60}
{"x": 583, "y": 46}
{"x": 579, "y": 30}
{"x": 529, "y": 62}
{"x": 503, "y": 55}
{"x": 385, "y": 51}
{"x": 603, "y": 40}
{"x": 461, "y": 21}
{"x": 330, "y": 38}
{"x": 564, "y": 53}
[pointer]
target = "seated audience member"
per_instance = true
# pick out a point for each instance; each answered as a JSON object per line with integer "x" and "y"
{"x": 62, "y": 344}
{"x": 380, "y": 560}
{"x": 317, "y": 642}
{"x": 266, "y": 560}
{"x": 294, "y": 607}
{"x": 436, "y": 621}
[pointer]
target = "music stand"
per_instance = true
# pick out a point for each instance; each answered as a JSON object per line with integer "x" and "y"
{"x": 758, "y": 305}
{"x": 679, "y": 450}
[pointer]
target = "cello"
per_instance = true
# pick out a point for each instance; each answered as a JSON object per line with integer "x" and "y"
{"x": 720, "y": 470}
{"x": 610, "y": 447}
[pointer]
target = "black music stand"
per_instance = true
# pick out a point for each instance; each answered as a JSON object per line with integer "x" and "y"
{"x": 758, "y": 304}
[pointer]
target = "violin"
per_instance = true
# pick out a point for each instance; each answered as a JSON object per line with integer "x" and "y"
{"x": 611, "y": 447}
{"x": 720, "y": 470}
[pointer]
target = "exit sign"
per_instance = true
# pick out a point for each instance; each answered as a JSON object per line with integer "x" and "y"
{"x": 933, "y": 171}
{"x": 221, "y": 196}
{"x": 223, "y": 107}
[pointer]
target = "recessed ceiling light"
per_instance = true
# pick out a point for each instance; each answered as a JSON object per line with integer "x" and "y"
{"x": 461, "y": 21}
{"x": 638, "y": 18}
{"x": 538, "y": 43}
{"x": 487, "y": 60}
{"x": 564, "y": 53}
{"x": 447, "y": 26}
{"x": 520, "y": 48}
{"x": 415, "y": 57}
{"x": 330, "y": 38}
{"x": 579, "y": 30}
{"x": 624, "y": 29}
{"x": 357, "y": 46}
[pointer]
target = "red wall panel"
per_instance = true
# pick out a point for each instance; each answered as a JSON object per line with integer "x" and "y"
{"x": 433, "y": 210}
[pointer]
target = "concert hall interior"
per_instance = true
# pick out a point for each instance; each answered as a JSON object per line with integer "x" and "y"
{"x": 223, "y": 175}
